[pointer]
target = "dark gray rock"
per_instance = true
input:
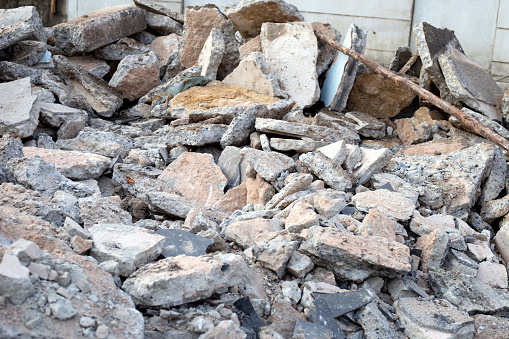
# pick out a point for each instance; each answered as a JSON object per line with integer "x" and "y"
{"x": 182, "y": 242}
{"x": 320, "y": 314}
{"x": 342, "y": 303}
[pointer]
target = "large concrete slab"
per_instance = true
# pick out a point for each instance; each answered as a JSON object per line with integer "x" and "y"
{"x": 19, "y": 24}
{"x": 19, "y": 112}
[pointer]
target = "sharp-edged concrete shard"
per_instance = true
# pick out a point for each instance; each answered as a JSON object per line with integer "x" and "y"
{"x": 18, "y": 24}
{"x": 341, "y": 75}
{"x": 471, "y": 84}
{"x": 19, "y": 112}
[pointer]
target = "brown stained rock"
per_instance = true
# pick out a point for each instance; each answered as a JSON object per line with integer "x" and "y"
{"x": 393, "y": 204}
{"x": 301, "y": 216}
{"x": 378, "y": 96}
{"x": 490, "y": 327}
{"x": 196, "y": 177}
{"x": 99, "y": 28}
{"x": 492, "y": 274}
{"x": 253, "y": 45}
{"x": 355, "y": 258}
{"x": 248, "y": 16}
{"x": 80, "y": 245}
{"x": 412, "y": 131}
{"x": 165, "y": 47}
{"x": 434, "y": 248}
{"x": 258, "y": 191}
{"x": 243, "y": 233}
{"x": 436, "y": 147}
{"x": 94, "y": 66}
{"x": 378, "y": 224}
{"x": 234, "y": 199}
{"x": 72, "y": 164}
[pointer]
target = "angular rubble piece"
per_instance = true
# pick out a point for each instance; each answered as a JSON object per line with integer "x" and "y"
{"x": 136, "y": 180}
{"x": 174, "y": 281}
{"x": 326, "y": 53}
{"x": 99, "y": 28}
{"x": 120, "y": 49}
{"x": 102, "y": 210}
{"x": 169, "y": 204}
{"x": 494, "y": 209}
{"x": 491, "y": 124}
{"x": 364, "y": 124}
{"x": 327, "y": 170}
{"x": 273, "y": 251}
{"x": 378, "y": 96}
{"x": 291, "y": 51}
{"x": 233, "y": 200}
{"x": 469, "y": 83}
{"x": 166, "y": 48}
{"x": 299, "y": 146}
{"x": 299, "y": 265}
{"x": 19, "y": 112}
{"x": 345, "y": 302}
{"x": 162, "y": 24}
{"x": 393, "y": 204}
{"x": 195, "y": 176}
{"x": 326, "y": 118}
{"x": 320, "y": 314}
{"x": 505, "y": 107}
{"x": 336, "y": 151}
{"x": 15, "y": 284}
{"x": 378, "y": 224}
{"x": 398, "y": 184}
{"x": 401, "y": 55}
{"x": 487, "y": 326}
{"x": 136, "y": 75}
{"x": 356, "y": 258}
{"x": 258, "y": 191}
{"x": 434, "y": 248}
{"x": 412, "y": 131}
{"x": 70, "y": 119}
{"x": 94, "y": 66}
{"x": 19, "y": 24}
{"x": 40, "y": 176}
{"x": 374, "y": 322}
{"x": 457, "y": 173}
{"x": 225, "y": 329}
{"x": 251, "y": 46}
{"x": 73, "y": 228}
{"x": 130, "y": 246}
{"x": 294, "y": 183}
{"x": 28, "y": 52}
{"x": 301, "y": 216}
{"x": 501, "y": 241}
{"x": 269, "y": 165}
{"x": 94, "y": 91}
{"x": 433, "y": 318}
{"x": 25, "y": 250}
{"x": 243, "y": 233}
{"x": 248, "y": 16}
{"x": 154, "y": 7}
{"x": 178, "y": 242}
{"x": 467, "y": 293}
{"x": 372, "y": 161}
{"x": 492, "y": 274}
{"x": 256, "y": 75}
{"x": 431, "y": 43}
{"x": 230, "y": 164}
{"x": 73, "y": 165}
{"x": 194, "y": 135}
{"x": 307, "y": 330}
{"x": 242, "y": 126}
{"x": 211, "y": 54}
{"x": 341, "y": 76}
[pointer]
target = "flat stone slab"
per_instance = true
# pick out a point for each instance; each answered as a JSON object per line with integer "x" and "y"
{"x": 356, "y": 258}
{"x": 73, "y": 165}
{"x": 293, "y": 129}
{"x": 392, "y": 204}
{"x": 269, "y": 165}
{"x": 56, "y": 115}
{"x": 19, "y": 24}
{"x": 130, "y": 246}
{"x": 19, "y": 112}
{"x": 327, "y": 170}
{"x": 194, "y": 135}
{"x": 99, "y": 28}
{"x": 342, "y": 303}
{"x": 183, "y": 279}
{"x": 169, "y": 204}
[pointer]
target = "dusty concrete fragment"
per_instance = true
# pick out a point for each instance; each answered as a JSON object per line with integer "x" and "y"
{"x": 471, "y": 84}
{"x": 56, "y": 115}
{"x": 302, "y": 216}
{"x": 120, "y": 49}
{"x": 94, "y": 66}
{"x": 101, "y": 210}
{"x": 269, "y": 165}
{"x": 95, "y": 92}
{"x": 398, "y": 184}
{"x": 251, "y": 46}
{"x": 372, "y": 161}
{"x": 355, "y": 258}
{"x": 393, "y": 204}
{"x": 336, "y": 151}
{"x": 326, "y": 118}
{"x": 326, "y": 53}
{"x": 162, "y": 24}
{"x": 375, "y": 323}
{"x": 492, "y": 274}
{"x": 378, "y": 96}
{"x": 211, "y": 54}
{"x": 378, "y": 224}
{"x": 434, "y": 248}
{"x": 175, "y": 281}
{"x": 80, "y": 245}
{"x": 299, "y": 146}
{"x": 243, "y": 233}
{"x": 487, "y": 326}
{"x": 73, "y": 165}
{"x": 25, "y": 250}
{"x": 495, "y": 209}
{"x": 293, "y": 183}
{"x": 292, "y": 129}
{"x": 299, "y": 265}
{"x": 230, "y": 164}
{"x": 433, "y": 318}
{"x": 256, "y": 75}
{"x": 19, "y": 112}
{"x": 154, "y": 7}
{"x": 99, "y": 28}
{"x": 73, "y": 228}
{"x": 431, "y": 43}
{"x": 169, "y": 204}
{"x": 194, "y": 135}
{"x": 196, "y": 177}
{"x": 178, "y": 242}
{"x": 225, "y": 329}
{"x": 465, "y": 292}
{"x": 248, "y": 16}
{"x": 258, "y": 191}
{"x": 501, "y": 241}
{"x": 136, "y": 75}
{"x": 341, "y": 75}
{"x": 327, "y": 170}
{"x": 130, "y": 246}
{"x": 273, "y": 251}
{"x": 242, "y": 126}
{"x": 15, "y": 283}
{"x": 166, "y": 48}
{"x": 291, "y": 51}
{"x": 19, "y": 24}
{"x": 412, "y": 131}
{"x": 28, "y": 52}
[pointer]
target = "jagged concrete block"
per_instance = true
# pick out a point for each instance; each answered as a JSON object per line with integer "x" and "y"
{"x": 19, "y": 112}
{"x": 19, "y": 24}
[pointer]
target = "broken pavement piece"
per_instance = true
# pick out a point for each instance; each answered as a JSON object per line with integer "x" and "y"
{"x": 269, "y": 165}
{"x": 492, "y": 274}
{"x": 320, "y": 314}
{"x": 356, "y": 258}
{"x": 99, "y": 28}
{"x": 307, "y": 330}
{"x": 378, "y": 224}
{"x": 412, "y": 131}
{"x": 169, "y": 204}
{"x": 341, "y": 76}
{"x": 162, "y": 24}
{"x": 19, "y": 24}
{"x": 291, "y": 51}
{"x": 327, "y": 170}
{"x": 372, "y": 161}
{"x": 374, "y": 323}
{"x": 211, "y": 54}
{"x": 178, "y": 242}
{"x": 244, "y": 233}
{"x": 194, "y": 135}
{"x": 118, "y": 50}
{"x": 434, "y": 248}
{"x": 344, "y": 302}
{"x": 392, "y": 204}
{"x": 28, "y": 52}
{"x": 19, "y": 112}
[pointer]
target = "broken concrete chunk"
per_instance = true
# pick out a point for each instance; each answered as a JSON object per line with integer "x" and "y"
{"x": 180, "y": 242}
{"x": 501, "y": 241}
{"x": 299, "y": 265}
{"x": 427, "y": 318}
{"x": 56, "y": 115}
{"x": 434, "y": 248}
{"x": 495, "y": 209}
{"x": 169, "y": 204}
{"x": 299, "y": 146}
{"x": 185, "y": 176}
{"x": 211, "y": 54}
{"x": 471, "y": 84}
{"x": 194, "y": 135}
{"x": 73, "y": 228}
{"x": 344, "y": 302}
{"x": 154, "y": 7}
{"x": 19, "y": 24}
{"x": 25, "y": 250}
{"x": 356, "y": 258}
{"x": 19, "y": 112}
{"x": 320, "y": 314}
{"x": 341, "y": 75}
{"x": 243, "y": 233}
{"x": 175, "y": 281}
{"x": 307, "y": 330}
{"x": 99, "y": 28}
{"x": 162, "y": 24}
{"x": 130, "y": 246}
{"x": 336, "y": 151}
{"x": 273, "y": 251}
{"x": 255, "y": 75}
{"x": 248, "y": 16}
{"x": 166, "y": 48}
{"x": 302, "y": 216}
{"x": 28, "y": 52}
{"x": 325, "y": 169}
{"x": 374, "y": 322}
{"x": 291, "y": 51}
{"x": 372, "y": 161}
{"x": 101, "y": 210}
{"x": 94, "y": 66}
{"x": 242, "y": 126}
{"x": 492, "y": 274}
{"x": 269, "y": 165}
{"x": 412, "y": 131}
{"x": 119, "y": 50}
{"x": 326, "y": 53}
{"x": 378, "y": 224}
{"x": 393, "y": 204}
{"x": 292, "y": 129}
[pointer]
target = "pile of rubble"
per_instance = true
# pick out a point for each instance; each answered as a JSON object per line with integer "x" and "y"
{"x": 229, "y": 175}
